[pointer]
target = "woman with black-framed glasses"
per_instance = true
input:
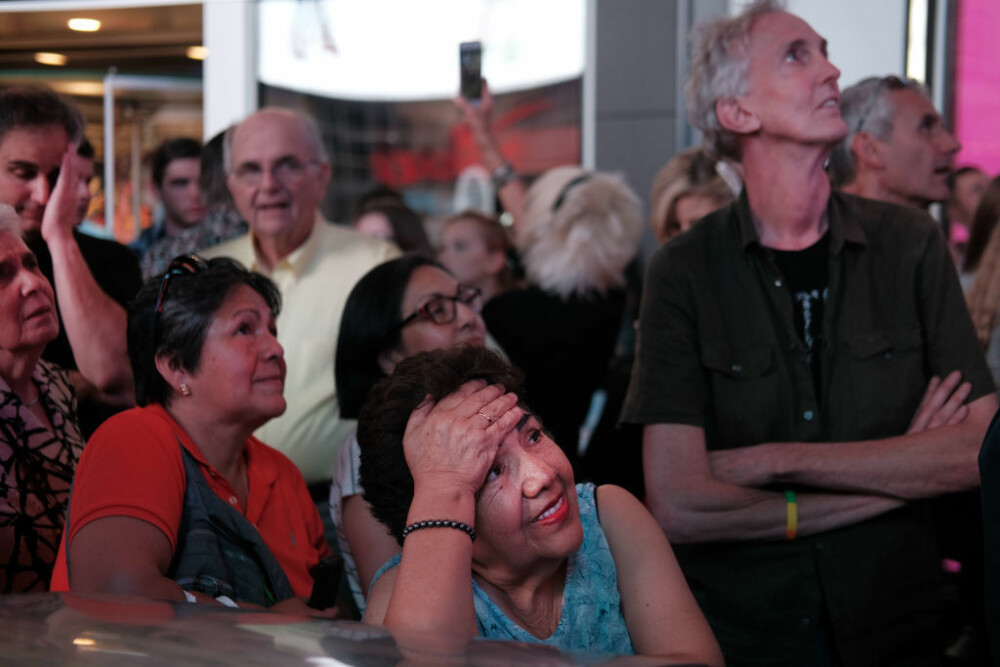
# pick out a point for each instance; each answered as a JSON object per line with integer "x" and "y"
{"x": 176, "y": 499}
{"x": 401, "y": 307}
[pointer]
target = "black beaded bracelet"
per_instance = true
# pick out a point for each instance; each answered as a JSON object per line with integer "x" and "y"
{"x": 441, "y": 523}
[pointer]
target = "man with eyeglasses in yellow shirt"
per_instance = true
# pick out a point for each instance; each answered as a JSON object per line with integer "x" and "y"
{"x": 278, "y": 170}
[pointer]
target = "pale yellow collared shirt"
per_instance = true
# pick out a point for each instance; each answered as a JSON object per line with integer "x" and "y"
{"x": 315, "y": 281}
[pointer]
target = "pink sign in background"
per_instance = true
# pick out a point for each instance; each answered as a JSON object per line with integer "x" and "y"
{"x": 977, "y": 84}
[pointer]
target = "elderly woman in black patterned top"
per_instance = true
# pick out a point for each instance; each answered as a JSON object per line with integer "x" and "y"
{"x": 40, "y": 441}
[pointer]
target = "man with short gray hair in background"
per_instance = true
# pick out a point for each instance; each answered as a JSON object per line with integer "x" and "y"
{"x": 897, "y": 148}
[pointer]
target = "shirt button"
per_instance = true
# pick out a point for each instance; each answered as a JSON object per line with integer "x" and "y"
{"x": 888, "y": 355}
{"x": 737, "y": 368}
{"x": 805, "y": 622}
{"x": 820, "y": 546}
{"x": 807, "y": 415}
{"x": 233, "y": 500}
{"x": 778, "y": 283}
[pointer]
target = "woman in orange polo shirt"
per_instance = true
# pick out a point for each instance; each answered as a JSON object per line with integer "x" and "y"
{"x": 176, "y": 499}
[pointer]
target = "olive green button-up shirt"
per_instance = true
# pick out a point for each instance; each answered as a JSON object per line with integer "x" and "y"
{"x": 718, "y": 349}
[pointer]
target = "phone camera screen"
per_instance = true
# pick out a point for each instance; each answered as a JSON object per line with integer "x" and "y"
{"x": 470, "y": 62}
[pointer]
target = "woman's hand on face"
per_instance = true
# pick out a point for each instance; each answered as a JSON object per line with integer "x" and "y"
{"x": 451, "y": 444}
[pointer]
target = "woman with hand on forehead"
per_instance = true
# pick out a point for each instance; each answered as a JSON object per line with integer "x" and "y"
{"x": 497, "y": 540}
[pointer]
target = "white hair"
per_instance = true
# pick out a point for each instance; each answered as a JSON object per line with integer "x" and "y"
{"x": 580, "y": 230}
{"x": 720, "y": 61}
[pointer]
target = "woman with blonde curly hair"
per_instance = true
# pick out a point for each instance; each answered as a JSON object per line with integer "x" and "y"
{"x": 689, "y": 187}
{"x": 983, "y": 257}
{"x": 984, "y": 221}
{"x": 576, "y": 231}
{"x": 478, "y": 251}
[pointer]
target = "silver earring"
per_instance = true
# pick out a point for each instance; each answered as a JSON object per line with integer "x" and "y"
{"x": 185, "y": 391}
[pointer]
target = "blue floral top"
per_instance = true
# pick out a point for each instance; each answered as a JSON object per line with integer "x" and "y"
{"x": 591, "y": 618}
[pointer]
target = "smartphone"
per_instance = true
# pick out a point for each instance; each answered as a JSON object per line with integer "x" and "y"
{"x": 326, "y": 582}
{"x": 470, "y": 60}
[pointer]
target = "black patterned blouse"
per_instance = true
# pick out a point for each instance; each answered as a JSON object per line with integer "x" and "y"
{"x": 36, "y": 471}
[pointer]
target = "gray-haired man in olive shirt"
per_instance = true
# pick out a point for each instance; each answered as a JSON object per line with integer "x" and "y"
{"x": 785, "y": 346}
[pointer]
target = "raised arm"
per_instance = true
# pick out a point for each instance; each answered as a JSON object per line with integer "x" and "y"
{"x": 448, "y": 449}
{"x": 479, "y": 118}
{"x": 691, "y": 504}
{"x": 95, "y": 324}
{"x": 663, "y": 618}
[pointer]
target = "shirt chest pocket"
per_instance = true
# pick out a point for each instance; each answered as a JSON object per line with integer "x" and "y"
{"x": 744, "y": 391}
{"x": 886, "y": 381}
{"x": 310, "y": 368}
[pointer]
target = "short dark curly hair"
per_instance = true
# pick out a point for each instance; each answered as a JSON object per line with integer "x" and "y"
{"x": 384, "y": 474}
{"x": 189, "y": 306}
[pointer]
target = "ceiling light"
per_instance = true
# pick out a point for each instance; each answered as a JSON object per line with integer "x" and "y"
{"x": 196, "y": 52}
{"x": 84, "y": 25}
{"x": 84, "y": 88}
{"x": 57, "y": 59}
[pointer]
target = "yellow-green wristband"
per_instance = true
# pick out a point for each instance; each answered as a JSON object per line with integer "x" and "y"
{"x": 791, "y": 516}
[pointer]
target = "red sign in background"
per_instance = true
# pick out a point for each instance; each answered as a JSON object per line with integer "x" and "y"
{"x": 977, "y": 84}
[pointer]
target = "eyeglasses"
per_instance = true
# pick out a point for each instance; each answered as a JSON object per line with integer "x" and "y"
{"x": 182, "y": 265}
{"x": 441, "y": 309}
{"x": 890, "y": 82}
{"x": 287, "y": 171}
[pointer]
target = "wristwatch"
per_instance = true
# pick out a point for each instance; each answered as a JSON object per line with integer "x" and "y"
{"x": 503, "y": 175}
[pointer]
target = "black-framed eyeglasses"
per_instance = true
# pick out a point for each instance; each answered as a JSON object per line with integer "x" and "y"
{"x": 286, "y": 170}
{"x": 182, "y": 265}
{"x": 441, "y": 309}
{"x": 891, "y": 82}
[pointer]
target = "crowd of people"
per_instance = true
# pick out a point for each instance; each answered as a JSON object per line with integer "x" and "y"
{"x": 252, "y": 396}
